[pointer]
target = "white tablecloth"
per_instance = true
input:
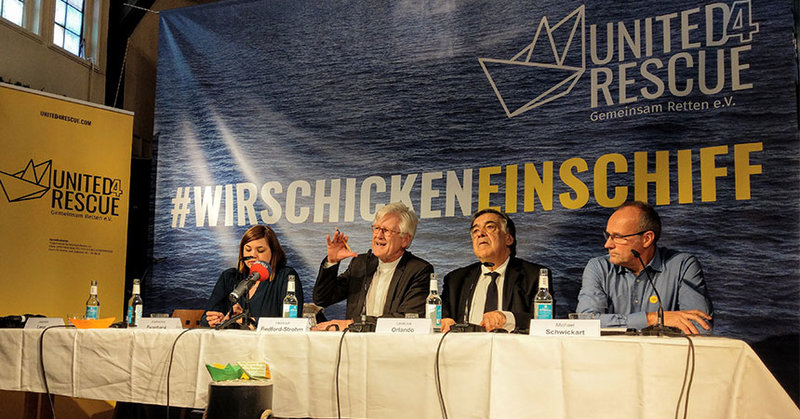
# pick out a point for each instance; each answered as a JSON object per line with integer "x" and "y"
{"x": 482, "y": 375}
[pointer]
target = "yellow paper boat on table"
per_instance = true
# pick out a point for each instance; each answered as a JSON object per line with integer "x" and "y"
{"x": 92, "y": 323}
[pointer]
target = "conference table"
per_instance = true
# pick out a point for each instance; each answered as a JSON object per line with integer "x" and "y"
{"x": 481, "y": 375}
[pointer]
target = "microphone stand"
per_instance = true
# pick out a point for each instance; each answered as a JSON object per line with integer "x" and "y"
{"x": 245, "y": 314}
{"x": 465, "y": 326}
{"x": 365, "y": 325}
{"x": 658, "y": 329}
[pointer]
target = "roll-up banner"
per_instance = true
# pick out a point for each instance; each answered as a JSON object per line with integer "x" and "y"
{"x": 64, "y": 176}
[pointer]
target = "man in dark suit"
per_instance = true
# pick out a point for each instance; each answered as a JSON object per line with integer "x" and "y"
{"x": 500, "y": 287}
{"x": 389, "y": 280}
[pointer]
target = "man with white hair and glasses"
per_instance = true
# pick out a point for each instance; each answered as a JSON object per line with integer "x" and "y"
{"x": 388, "y": 279}
{"x": 617, "y": 288}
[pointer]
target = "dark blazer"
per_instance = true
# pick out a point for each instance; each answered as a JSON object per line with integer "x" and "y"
{"x": 267, "y": 301}
{"x": 408, "y": 288}
{"x": 520, "y": 286}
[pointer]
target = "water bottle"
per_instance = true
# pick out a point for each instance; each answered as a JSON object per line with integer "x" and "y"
{"x": 92, "y": 304}
{"x": 543, "y": 302}
{"x": 135, "y": 304}
{"x": 290, "y": 301}
{"x": 433, "y": 306}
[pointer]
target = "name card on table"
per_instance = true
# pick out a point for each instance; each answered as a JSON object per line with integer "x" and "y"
{"x": 287, "y": 325}
{"x": 589, "y": 327}
{"x": 159, "y": 323}
{"x": 43, "y": 322}
{"x": 407, "y": 326}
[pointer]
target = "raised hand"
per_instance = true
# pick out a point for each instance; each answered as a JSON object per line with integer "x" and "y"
{"x": 338, "y": 248}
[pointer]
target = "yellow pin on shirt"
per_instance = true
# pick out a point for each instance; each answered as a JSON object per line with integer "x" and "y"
{"x": 653, "y": 299}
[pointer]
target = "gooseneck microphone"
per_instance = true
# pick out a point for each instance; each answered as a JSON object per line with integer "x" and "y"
{"x": 364, "y": 325}
{"x": 658, "y": 329}
{"x": 465, "y": 325}
{"x": 259, "y": 271}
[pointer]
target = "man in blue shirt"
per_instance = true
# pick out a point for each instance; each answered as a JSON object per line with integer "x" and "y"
{"x": 617, "y": 288}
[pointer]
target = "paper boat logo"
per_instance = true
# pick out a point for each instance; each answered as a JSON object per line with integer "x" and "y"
{"x": 32, "y": 182}
{"x": 546, "y": 69}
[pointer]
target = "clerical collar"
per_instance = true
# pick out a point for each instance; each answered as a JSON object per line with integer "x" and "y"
{"x": 385, "y": 266}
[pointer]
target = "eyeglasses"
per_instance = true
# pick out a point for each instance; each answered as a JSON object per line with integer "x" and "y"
{"x": 386, "y": 232}
{"x": 621, "y": 238}
{"x": 489, "y": 227}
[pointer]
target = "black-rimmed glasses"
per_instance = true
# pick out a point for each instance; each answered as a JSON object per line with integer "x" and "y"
{"x": 621, "y": 238}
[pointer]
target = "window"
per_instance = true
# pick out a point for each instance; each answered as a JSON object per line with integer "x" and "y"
{"x": 68, "y": 28}
{"x": 12, "y": 10}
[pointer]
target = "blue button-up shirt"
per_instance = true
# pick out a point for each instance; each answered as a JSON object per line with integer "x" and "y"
{"x": 622, "y": 299}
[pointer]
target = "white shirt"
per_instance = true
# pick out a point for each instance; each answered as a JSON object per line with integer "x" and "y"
{"x": 379, "y": 288}
{"x": 479, "y": 296}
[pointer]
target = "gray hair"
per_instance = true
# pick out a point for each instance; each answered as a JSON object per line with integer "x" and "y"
{"x": 408, "y": 219}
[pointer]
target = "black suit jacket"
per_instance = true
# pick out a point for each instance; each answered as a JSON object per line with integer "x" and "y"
{"x": 520, "y": 286}
{"x": 407, "y": 292}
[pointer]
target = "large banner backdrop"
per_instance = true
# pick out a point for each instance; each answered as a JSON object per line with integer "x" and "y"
{"x": 64, "y": 175}
{"x": 310, "y": 115}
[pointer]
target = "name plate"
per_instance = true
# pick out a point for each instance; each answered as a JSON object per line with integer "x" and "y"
{"x": 159, "y": 323}
{"x": 43, "y": 322}
{"x": 406, "y": 326}
{"x": 589, "y": 327}
{"x": 287, "y": 325}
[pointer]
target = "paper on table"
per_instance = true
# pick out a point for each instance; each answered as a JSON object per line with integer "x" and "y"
{"x": 257, "y": 370}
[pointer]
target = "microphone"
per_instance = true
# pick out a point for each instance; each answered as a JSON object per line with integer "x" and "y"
{"x": 465, "y": 325}
{"x": 658, "y": 329}
{"x": 468, "y": 303}
{"x": 259, "y": 271}
{"x": 363, "y": 326}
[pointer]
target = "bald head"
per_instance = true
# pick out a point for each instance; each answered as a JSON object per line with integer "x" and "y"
{"x": 632, "y": 227}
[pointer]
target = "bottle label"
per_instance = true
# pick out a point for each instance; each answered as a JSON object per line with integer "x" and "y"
{"x": 434, "y": 312}
{"x": 128, "y": 317}
{"x": 543, "y": 311}
{"x": 91, "y": 312}
{"x": 290, "y": 310}
{"x": 136, "y": 313}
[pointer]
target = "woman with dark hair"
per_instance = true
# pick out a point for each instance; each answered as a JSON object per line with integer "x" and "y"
{"x": 259, "y": 243}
